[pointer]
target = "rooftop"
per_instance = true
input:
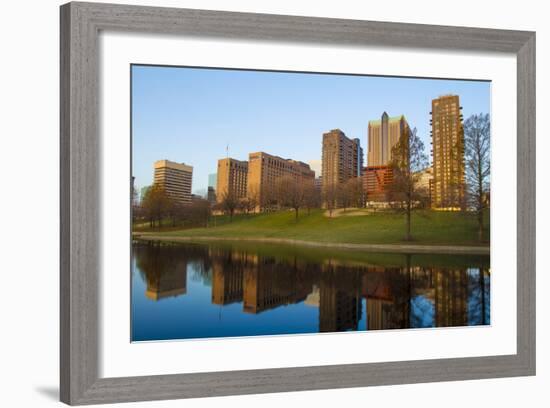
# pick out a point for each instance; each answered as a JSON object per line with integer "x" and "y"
{"x": 390, "y": 119}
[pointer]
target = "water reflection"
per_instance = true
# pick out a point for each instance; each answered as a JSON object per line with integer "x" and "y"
{"x": 194, "y": 291}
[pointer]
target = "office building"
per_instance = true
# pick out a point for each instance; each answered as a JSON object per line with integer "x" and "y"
{"x": 376, "y": 182}
{"x": 264, "y": 170}
{"x": 425, "y": 183}
{"x": 212, "y": 180}
{"x": 318, "y": 183}
{"x": 383, "y": 136}
{"x": 342, "y": 158}
{"x": 211, "y": 195}
{"x": 175, "y": 179}
{"x": 447, "y": 153}
{"x": 231, "y": 179}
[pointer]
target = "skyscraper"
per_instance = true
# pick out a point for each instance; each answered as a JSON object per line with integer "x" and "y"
{"x": 342, "y": 158}
{"x": 212, "y": 180}
{"x": 231, "y": 178}
{"x": 175, "y": 179}
{"x": 447, "y": 153}
{"x": 265, "y": 169}
{"x": 383, "y": 136}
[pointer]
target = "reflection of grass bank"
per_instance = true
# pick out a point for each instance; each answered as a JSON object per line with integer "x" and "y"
{"x": 338, "y": 256}
{"x": 428, "y": 227}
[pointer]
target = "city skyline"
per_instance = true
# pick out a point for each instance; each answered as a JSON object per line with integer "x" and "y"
{"x": 270, "y": 111}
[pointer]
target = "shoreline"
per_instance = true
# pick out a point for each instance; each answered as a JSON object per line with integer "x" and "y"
{"x": 395, "y": 248}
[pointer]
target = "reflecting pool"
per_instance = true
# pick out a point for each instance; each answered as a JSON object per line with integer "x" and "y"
{"x": 184, "y": 291}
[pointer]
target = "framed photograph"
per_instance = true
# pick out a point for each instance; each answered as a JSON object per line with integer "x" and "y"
{"x": 260, "y": 203}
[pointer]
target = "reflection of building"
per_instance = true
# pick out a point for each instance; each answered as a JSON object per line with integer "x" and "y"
{"x": 448, "y": 153}
{"x": 314, "y": 298}
{"x": 450, "y": 297}
{"x": 264, "y": 170}
{"x": 227, "y": 284}
{"x": 231, "y": 179}
{"x": 342, "y": 158}
{"x": 376, "y": 289}
{"x": 169, "y": 280}
{"x": 340, "y": 301}
{"x": 269, "y": 284}
{"x": 175, "y": 179}
{"x": 376, "y": 182}
{"x": 383, "y": 136}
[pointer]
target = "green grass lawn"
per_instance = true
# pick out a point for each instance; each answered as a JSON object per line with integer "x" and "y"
{"x": 428, "y": 227}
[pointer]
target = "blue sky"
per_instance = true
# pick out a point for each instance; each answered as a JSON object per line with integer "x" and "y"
{"x": 190, "y": 115}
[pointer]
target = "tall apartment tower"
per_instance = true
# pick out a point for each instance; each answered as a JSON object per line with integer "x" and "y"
{"x": 383, "y": 136}
{"x": 447, "y": 153}
{"x": 231, "y": 178}
{"x": 265, "y": 169}
{"x": 342, "y": 158}
{"x": 175, "y": 179}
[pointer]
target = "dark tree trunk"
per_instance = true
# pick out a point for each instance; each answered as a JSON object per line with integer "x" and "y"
{"x": 480, "y": 225}
{"x": 482, "y": 288}
{"x": 408, "y": 236}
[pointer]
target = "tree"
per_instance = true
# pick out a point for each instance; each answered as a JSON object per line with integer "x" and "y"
{"x": 408, "y": 158}
{"x": 354, "y": 192}
{"x": 156, "y": 205}
{"x": 291, "y": 193}
{"x": 252, "y": 199}
{"x": 196, "y": 213}
{"x": 229, "y": 203}
{"x": 330, "y": 197}
{"x": 312, "y": 197}
{"x": 343, "y": 198}
{"x": 477, "y": 153}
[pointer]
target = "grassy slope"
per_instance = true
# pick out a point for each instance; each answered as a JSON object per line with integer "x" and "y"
{"x": 428, "y": 227}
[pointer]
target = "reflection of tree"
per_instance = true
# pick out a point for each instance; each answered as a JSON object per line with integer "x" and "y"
{"x": 479, "y": 297}
{"x": 451, "y": 297}
{"x": 340, "y": 301}
{"x": 400, "y": 296}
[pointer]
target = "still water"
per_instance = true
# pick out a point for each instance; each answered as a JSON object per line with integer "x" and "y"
{"x": 221, "y": 290}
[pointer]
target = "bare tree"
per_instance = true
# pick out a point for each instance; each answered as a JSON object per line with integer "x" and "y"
{"x": 229, "y": 203}
{"x": 330, "y": 197}
{"x": 252, "y": 199}
{"x": 291, "y": 193}
{"x": 312, "y": 197}
{"x": 408, "y": 158}
{"x": 343, "y": 197}
{"x": 354, "y": 192}
{"x": 477, "y": 132}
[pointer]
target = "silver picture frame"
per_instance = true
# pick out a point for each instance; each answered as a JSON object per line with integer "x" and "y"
{"x": 81, "y": 24}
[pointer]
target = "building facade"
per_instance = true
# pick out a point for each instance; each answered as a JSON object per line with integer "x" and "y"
{"x": 211, "y": 195}
{"x": 231, "y": 178}
{"x": 212, "y": 180}
{"x": 383, "y": 136}
{"x": 175, "y": 179}
{"x": 342, "y": 158}
{"x": 425, "y": 183}
{"x": 264, "y": 170}
{"x": 376, "y": 182}
{"x": 447, "y": 153}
